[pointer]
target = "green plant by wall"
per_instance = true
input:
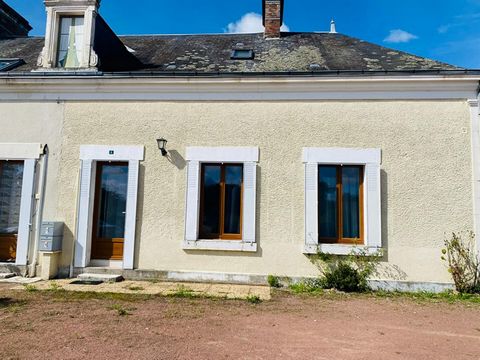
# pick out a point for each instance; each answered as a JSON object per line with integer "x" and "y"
{"x": 348, "y": 273}
{"x": 254, "y": 299}
{"x": 274, "y": 281}
{"x": 463, "y": 261}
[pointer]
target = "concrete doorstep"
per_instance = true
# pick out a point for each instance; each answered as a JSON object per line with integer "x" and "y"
{"x": 108, "y": 278}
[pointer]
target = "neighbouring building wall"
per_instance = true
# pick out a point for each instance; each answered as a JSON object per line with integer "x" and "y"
{"x": 426, "y": 174}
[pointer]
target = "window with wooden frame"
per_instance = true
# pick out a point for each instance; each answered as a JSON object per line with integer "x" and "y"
{"x": 221, "y": 201}
{"x": 340, "y": 204}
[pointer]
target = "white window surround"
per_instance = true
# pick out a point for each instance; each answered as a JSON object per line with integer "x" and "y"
{"x": 89, "y": 155}
{"x": 371, "y": 159}
{"x": 29, "y": 153}
{"x": 474, "y": 105}
{"x": 249, "y": 156}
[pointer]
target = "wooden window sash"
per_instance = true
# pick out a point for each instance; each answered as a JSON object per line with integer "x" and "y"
{"x": 221, "y": 235}
{"x": 340, "y": 239}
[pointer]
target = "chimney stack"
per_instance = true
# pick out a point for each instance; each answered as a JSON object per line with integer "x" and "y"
{"x": 272, "y": 18}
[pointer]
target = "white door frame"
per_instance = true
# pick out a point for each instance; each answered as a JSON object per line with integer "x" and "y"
{"x": 89, "y": 156}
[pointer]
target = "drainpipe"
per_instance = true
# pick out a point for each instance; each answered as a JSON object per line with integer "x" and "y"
{"x": 40, "y": 205}
{"x": 72, "y": 261}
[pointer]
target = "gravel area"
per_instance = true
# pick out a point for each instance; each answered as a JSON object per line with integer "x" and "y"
{"x": 64, "y": 325}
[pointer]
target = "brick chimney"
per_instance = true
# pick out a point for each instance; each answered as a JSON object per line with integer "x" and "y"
{"x": 272, "y": 18}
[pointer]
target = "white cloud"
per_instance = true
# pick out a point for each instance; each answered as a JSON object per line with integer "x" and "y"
{"x": 400, "y": 36}
{"x": 249, "y": 23}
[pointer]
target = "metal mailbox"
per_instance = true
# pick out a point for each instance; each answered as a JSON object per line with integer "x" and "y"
{"x": 51, "y": 236}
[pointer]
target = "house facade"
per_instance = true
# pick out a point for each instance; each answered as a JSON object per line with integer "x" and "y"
{"x": 280, "y": 145}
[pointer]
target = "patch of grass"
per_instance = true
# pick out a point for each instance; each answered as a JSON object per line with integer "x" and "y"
{"x": 54, "y": 286}
{"x": 153, "y": 281}
{"x": 91, "y": 295}
{"x": 134, "y": 288}
{"x": 307, "y": 286}
{"x": 183, "y": 292}
{"x": 446, "y": 296}
{"x": 12, "y": 305}
{"x": 121, "y": 311}
{"x": 30, "y": 288}
{"x": 254, "y": 299}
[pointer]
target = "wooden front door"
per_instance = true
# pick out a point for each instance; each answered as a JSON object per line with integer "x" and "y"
{"x": 11, "y": 178}
{"x": 110, "y": 206}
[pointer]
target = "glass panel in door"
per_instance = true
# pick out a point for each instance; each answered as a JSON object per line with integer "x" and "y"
{"x": 110, "y": 210}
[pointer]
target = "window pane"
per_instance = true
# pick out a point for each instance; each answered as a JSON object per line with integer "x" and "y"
{"x": 233, "y": 198}
{"x": 351, "y": 202}
{"x": 11, "y": 176}
{"x": 211, "y": 199}
{"x": 327, "y": 202}
{"x": 113, "y": 201}
{"x": 70, "y": 42}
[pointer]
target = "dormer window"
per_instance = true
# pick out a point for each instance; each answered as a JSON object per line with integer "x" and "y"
{"x": 70, "y": 42}
{"x": 70, "y": 36}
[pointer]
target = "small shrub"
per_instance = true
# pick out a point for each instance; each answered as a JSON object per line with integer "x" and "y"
{"x": 344, "y": 277}
{"x": 121, "y": 311}
{"x": 463, "y": 262}
{"x": 30, "y": 287}
{"x": 274, "y": 281}
{"x": 348, "y": 273}
{"x": 254, "y": 299}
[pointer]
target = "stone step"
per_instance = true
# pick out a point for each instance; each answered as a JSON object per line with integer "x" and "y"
{"x": 101, "y": 277}
{"x": 6, "y": 275}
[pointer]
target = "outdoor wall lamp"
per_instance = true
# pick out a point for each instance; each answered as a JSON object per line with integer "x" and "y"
{"x": 162, "y": 143}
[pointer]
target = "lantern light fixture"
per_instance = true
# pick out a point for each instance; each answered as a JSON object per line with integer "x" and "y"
{"x": 162, "y": 144}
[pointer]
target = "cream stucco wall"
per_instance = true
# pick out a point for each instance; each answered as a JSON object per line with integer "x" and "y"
{"x": 426, "y": 175}
{"x": 35, "y": 122}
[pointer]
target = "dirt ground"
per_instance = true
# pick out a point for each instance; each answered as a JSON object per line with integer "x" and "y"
{"x": 56, "y": 325}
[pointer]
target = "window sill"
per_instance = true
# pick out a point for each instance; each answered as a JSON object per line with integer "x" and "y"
{"x": 220, "y": 245}
{"x": 340, "y": 249}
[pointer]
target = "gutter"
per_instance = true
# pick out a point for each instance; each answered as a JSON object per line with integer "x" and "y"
{"x": 218, "y": 74}
{"x": 40, "y": 205}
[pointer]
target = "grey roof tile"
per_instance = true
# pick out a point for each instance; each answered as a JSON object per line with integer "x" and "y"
{"x": 293, "y": 52}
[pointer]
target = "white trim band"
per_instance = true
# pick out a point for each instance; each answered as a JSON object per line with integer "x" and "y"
{"x": 103, "y": 88}
{"x": 220, "y": 245}
{"x": 19, "y": 151}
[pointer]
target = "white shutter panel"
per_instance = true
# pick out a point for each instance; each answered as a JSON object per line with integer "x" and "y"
{"x": 373, "y": 205}
{"x": 311, "y": 204}
{"x": 131, "y": 214}
{"x": 249, "y": 201}
{"x": 192, "y": 203}
{"x": 25, "y": 218}
{"x": 82, "y": 247}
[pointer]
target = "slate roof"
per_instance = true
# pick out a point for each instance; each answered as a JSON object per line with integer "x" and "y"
{"x": 293, "y": 52}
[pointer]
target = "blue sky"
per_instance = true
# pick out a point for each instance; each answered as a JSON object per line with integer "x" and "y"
{"x": 446, "y": 30}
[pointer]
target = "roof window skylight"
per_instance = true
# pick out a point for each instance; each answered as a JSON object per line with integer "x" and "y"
{"x": 242, "y": 54}
{"x": 9, "y": 64}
